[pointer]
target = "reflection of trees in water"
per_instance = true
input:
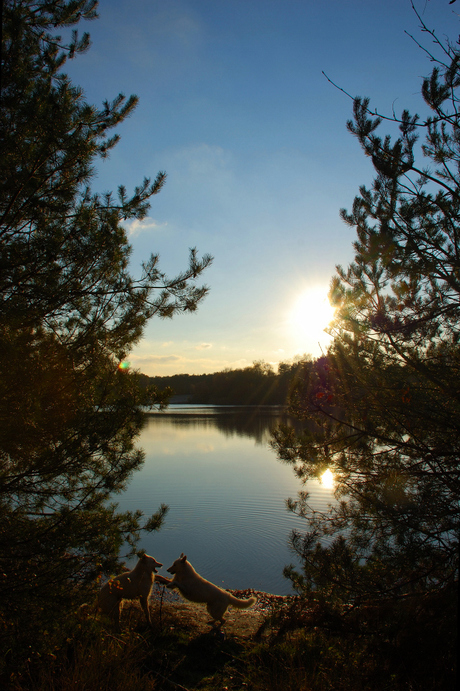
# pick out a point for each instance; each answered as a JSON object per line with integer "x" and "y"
{"x": 243, "y": 421}
{"x": 254, "y": 423}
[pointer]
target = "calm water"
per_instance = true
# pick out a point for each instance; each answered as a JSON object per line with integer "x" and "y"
{"x": 226, "y": 494}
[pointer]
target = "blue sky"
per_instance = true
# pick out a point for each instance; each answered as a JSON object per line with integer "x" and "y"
{"x": 235, "y": 108}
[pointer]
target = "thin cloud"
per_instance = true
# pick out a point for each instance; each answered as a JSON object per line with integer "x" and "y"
{"x": 136, "y": 227}
{"x": 155, "y": 360}
{"x": 203, "y": 346}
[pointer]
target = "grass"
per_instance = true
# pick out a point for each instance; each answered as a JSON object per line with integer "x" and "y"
{"x": 177, "y": 656}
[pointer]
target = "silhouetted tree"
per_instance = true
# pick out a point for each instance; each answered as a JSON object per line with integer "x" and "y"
{"x": 69, "y": 313}
{"x": 385, "y": 403}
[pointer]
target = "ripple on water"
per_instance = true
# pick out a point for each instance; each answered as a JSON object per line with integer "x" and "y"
{"x": 226, "y": 493}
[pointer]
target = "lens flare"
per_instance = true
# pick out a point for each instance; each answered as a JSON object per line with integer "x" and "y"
{"x": 123, "y": 365}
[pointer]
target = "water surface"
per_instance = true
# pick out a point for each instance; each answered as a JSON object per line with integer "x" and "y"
{"x": 226, "y": 494}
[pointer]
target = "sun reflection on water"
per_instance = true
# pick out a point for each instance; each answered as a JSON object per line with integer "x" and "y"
{"x": 327, "y": 479}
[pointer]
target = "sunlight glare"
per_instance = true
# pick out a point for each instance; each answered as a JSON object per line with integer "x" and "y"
{"x": 327, "y": 479}
{"x": 311, "y": 314}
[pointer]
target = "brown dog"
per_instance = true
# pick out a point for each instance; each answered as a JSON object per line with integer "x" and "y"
{"x": 195, "y": 588}
{"x": 130, "y": 585}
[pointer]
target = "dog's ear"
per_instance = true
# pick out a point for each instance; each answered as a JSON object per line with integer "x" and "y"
{"x": 183, "y": 557}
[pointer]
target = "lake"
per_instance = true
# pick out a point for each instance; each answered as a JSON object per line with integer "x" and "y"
{"x": 226, "y": 493}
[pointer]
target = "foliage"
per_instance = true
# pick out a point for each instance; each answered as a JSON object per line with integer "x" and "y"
{"x": 175, "y": 654}
{"x": 70, "y": 311}
{"x": 256, "y": 385}
{"x": 383, "y": 404}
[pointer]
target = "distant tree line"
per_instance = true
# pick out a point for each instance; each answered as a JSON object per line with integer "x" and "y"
{"x": 258, "y": 384}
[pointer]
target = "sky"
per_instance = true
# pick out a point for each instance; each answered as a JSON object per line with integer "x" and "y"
{"x": 236, "y": 108}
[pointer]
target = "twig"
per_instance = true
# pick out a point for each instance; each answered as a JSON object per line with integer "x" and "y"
{"x": 173, "y": 683}
{"x": 115, "y": 638}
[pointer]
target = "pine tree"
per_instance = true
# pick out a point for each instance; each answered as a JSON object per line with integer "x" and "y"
{"x": 383, "y": 406}
{"x": 70, "y": 311}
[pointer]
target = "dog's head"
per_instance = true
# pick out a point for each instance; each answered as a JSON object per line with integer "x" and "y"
{"x": 178, "y": 564}
{"x": 151, "y": 563}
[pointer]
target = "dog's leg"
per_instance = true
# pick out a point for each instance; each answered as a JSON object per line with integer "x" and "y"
{"x": 162, "y": 580}
{"x": 217, "y": 610}
{"x": 145, "y": 606}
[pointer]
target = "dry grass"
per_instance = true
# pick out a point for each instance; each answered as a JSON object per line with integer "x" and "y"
{"x": 182, "y": 652}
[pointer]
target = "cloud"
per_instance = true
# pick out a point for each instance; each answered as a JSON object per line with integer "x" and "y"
{"x": 136, "y": 227}
{"x": 205, "y": 160}
{"x": 204, "y": 176}
{"x": 203, "y": 346}
{"x": 155, "y": 359}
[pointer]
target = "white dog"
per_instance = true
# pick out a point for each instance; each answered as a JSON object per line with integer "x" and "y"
{"x": 130, "y": 585}
{"x": 195, "y": 588}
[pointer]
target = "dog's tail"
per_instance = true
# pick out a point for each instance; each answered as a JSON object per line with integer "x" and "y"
{"x": 241, "y": 604}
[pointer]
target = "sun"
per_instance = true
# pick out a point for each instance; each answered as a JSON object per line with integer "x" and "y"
{"x": 311, "y": 313}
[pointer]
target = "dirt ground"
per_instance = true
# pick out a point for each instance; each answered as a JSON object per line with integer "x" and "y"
{"x": 187, "y": 651}
{"x": 242, "y": 623}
